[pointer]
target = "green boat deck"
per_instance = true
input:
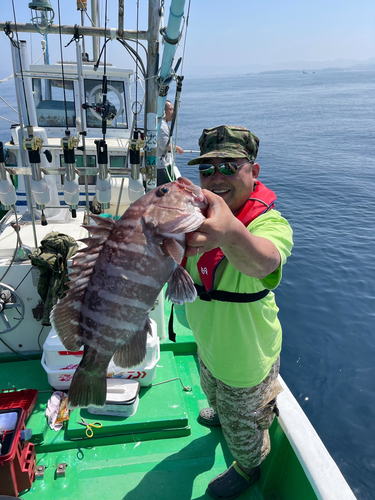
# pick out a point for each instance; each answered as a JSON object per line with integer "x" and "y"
{"x": 161, "y": 452}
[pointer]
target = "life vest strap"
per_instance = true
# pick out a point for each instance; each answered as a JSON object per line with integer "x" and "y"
{"x": 224, "y": 296}
{"x": 220, "y": 295}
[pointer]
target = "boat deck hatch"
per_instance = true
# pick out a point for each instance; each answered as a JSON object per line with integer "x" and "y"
{"x": 161, "y": 410}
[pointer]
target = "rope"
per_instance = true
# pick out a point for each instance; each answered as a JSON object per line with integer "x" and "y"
{"x": 10, "y": 121}
{"x": 11, "y": 107}
{"x": 12, "y": 75}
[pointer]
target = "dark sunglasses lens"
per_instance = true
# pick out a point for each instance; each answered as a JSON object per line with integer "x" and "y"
{"x": 228, "y": 168}
{"x": 206, "y": 170}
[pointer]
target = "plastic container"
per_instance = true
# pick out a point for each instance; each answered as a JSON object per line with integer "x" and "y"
{"x": 18, "y": 458}
{"x": 122, "y": 399}
{"x": 57, "y": 357}
{"x": 144, "y": 373}
{"x": 25, "y": 399}
{"x": 64, "y": 363}
{"x": 59, "y": 379}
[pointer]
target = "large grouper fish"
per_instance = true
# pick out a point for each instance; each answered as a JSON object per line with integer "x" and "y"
{"x": 116, "y": 279}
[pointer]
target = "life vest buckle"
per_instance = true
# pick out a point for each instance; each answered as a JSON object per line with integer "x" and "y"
{"x": 205, "y": 296}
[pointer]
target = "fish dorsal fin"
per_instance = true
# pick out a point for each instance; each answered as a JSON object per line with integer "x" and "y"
{"x": 98, "y": 230}
{"x": 174, "y": 249}
{"x": 66, "y": 315}
{"x": 104, "y": 226}
{"x": 103, "y": 221}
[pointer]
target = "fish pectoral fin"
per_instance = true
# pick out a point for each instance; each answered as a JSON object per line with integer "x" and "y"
{"x": 174, "y": 249}
{"x": 133, "y": 352}
{"x": 180, "y": 287}
{"x": 65, "y": 319}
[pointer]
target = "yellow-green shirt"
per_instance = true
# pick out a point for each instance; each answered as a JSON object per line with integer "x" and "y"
{"x": 239, "y": 342}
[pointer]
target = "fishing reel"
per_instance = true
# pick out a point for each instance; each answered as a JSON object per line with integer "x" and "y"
{"x": 106, "y": 110}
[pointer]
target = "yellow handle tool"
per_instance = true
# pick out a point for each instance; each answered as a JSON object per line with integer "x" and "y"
{"x": 89, "y": 431}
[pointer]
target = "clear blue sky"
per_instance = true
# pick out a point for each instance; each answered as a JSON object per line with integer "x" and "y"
{"x": 237, "y": 32}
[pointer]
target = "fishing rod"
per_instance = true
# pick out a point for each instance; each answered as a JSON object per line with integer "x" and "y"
{"x": 68, "y": 144}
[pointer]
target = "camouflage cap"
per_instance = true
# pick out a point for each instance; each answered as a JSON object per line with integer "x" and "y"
{"x": 227, "y": 142}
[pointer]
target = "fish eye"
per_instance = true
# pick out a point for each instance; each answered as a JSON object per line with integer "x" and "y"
{"x": 163, "y": 190}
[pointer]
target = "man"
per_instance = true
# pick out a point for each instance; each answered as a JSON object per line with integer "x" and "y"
{"x": 244, "y": 242}
{"x": 164, "y": 146}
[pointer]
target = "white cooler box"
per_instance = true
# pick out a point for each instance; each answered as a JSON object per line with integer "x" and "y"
{"x": 61, "y": 364}
{"x": 121, "y": 401}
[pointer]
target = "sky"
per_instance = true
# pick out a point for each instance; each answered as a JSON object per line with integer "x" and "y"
{"x": 240, "y": 35}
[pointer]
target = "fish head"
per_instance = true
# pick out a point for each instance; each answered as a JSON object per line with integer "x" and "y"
{"x": 175, "y": 208}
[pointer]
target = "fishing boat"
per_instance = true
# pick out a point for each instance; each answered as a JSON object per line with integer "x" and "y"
{"x": 79, "y": 135}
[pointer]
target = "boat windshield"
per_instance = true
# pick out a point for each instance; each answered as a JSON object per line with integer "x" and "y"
{"x": 116, "y": 99}
{"x": 50, "y": 104}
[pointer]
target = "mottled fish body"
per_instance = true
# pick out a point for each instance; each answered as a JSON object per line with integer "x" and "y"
{"x": 116, "y": 279}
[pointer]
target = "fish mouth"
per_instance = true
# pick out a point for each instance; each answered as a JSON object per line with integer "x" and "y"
{"x": 199, "y": 198}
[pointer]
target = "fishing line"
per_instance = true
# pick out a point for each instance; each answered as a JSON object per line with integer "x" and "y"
{"x": 62, "y": 67}
{"x": 20, "y": 60}
{"x": 104, "y": 86}
{"x": 136, "y": 67}
{"x": 187, "y": 25}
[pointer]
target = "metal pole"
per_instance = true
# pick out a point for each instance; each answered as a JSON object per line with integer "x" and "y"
{"x": 82, "y": 116}
{"x": 16, "y": 54}
{"x": 152, "y": 93}
{"x": 121, "y": 18}
{"x": 95, "y": 39}
{"x": 83, "y": 30}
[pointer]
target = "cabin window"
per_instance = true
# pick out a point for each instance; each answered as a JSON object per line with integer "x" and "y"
{"x": 50, "y": 103}
{"x": 116, "y": 98}
{"x": 90, "y": 163}
{"x": 117, "y": 161}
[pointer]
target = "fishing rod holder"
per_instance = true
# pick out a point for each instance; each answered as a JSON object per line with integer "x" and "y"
{"x": 71, "y": 185}
{"x": 103, "y": 181}
{"x": 136, "y": 145}
{"x": 33, "y": 145}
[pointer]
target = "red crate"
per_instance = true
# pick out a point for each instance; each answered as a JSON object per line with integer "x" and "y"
{"x": 18, "y": 461}
{"x": 25, "y": 399}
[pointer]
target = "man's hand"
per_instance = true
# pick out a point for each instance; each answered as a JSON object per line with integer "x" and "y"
{"x": 216, "y": 230}
{"x": 251, "y": 255}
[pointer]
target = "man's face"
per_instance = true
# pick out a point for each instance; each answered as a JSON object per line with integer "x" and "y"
{"x": 168, "y": 112}
{"x": 234, "y": 189}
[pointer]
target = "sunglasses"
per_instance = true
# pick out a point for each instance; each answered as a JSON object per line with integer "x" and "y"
{"x": 227, "y": 168}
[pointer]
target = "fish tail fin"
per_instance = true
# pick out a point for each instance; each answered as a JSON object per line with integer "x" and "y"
{"x": 133, "y": 352}
{"x": 87, "y": 388}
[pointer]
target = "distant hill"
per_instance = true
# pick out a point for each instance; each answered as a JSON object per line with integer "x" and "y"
{"x": 288, "y": 66}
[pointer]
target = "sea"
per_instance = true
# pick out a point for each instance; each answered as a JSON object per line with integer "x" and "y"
{"x": 317, "y": 152}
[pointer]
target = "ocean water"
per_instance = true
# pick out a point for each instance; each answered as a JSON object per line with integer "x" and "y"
{"x": 317, "y": 152}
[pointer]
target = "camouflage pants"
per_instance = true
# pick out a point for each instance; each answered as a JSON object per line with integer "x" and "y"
{"x": 245, "y": 414}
